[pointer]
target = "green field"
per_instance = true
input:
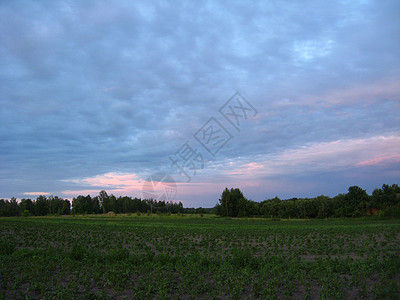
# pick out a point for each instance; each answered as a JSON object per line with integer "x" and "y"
{"x": 192, "y": 257}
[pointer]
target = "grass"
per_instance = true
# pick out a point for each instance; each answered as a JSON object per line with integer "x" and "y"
{"x": 192, "y": 257}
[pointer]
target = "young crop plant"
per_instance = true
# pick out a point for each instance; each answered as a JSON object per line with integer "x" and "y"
{"x": 139, "y": 257}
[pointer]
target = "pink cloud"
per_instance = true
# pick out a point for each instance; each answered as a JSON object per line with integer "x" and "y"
{"x": 123, "y": 184}
{"x": 112, "y": 179}
{"x": 381, "y": 160}
{"x": 326, "y": 156}
{"x": 36, "y": 193}
{"x": 247, "y": 169}
{"x": 113, "y": 182}
{"x": 341, "y": 153}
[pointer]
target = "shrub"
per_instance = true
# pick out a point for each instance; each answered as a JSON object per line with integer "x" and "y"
{"x": 390, "y": 213}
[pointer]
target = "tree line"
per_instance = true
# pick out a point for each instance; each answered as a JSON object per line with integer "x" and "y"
{"x": 40, "y": 207}
{"x": 103, "y": 203}
{"x": 355, "y": 203}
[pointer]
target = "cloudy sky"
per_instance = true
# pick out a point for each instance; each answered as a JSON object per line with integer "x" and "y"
{"x": 105, "y": 95}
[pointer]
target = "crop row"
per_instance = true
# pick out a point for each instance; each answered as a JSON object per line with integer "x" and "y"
{"x": 141, "y": 258}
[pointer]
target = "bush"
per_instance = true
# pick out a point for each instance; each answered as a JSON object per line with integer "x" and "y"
{"x": 390, "y": 213}
{"x": 26, "y": 213}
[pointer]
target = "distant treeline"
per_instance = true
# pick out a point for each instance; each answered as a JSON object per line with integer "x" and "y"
{"x": 199, "y": 210}
{"x": 103, "y": 203}
{"x": 356, "y": 203}
{"x": 384, "y": 201}
{"x": 40, "y": 207}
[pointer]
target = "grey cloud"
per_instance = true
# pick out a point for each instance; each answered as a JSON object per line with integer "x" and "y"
{"x": 91, "y": 87}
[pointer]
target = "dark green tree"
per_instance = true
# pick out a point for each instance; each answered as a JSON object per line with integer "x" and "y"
{"x": 66, "y": 207}
{"x": 103, "y": 199}
{"x": 387, "y": 196}
{"x": 41, "y": 206}
{"x": 233, "y": 204}
{"x": 82, "y": 205}
{"x": 26, "y": 204}
{"x": 357, "y": 200}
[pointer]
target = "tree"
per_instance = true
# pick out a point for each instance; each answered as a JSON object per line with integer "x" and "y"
{"x": 233, "y": 204}
{"x": 27, "y": 204}
{"x": 357, "y": 200}
{"x": 324, "y": 206}
{"x": 103, "y": 197}
{"x": 41, "y": 206}
{"x": 270, "y": 207}
{"x": 113, "y": 204}
{"x": 83, "y": 205}
{"x": 66, "y": 207}
{"x": 9, "y": 208}
{"x": 387, "y": 196}
{"x": 96, "y": 208}
{"x": 14, "y": 211}
{"x": 226, "y": 204}
{"x": 339, "y": 206}
{"x": 56, "y": 205}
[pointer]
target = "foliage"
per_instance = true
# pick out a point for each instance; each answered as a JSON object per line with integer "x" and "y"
{"x": 8, "y": 207}
{"x": 355, "y": 203}
{"x": 234, "y": 204}
{"x": 53, "y": 205}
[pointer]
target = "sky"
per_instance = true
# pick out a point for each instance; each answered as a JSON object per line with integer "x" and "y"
{"x": 277, "y": 98}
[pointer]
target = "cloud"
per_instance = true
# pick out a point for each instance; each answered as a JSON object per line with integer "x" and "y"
{"x": 112, "y": 179}
{"x": 359, "y": 94}
{"x": 381, "y": 160}
{"x": 247, "y": 169}
{"x": 308, "y": 166}
{"x": 113, "y": 182}
{"x": 90, "y": 89}
{"x": 340, "y": 153}
{"x": 36, "y": 193}
{"x": 74, "y": 193}
{"x": 323, "y": 156}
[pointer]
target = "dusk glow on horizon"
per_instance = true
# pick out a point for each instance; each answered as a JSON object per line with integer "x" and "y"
{"x": 288, "y": 99}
